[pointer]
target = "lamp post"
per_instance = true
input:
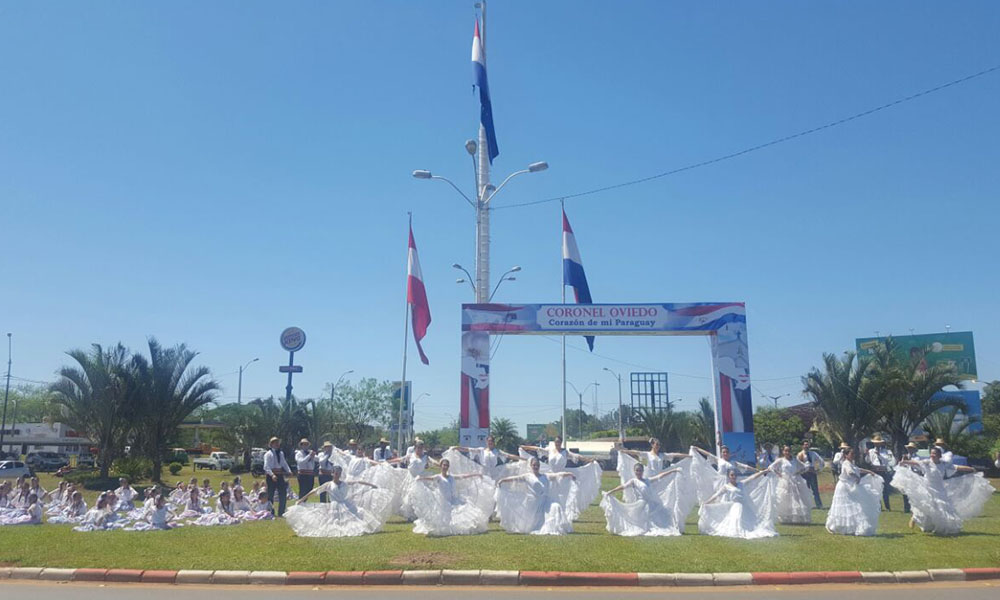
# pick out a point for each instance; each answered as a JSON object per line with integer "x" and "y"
{"x": 580, "y": 394}
{"x": 333, "y": 389}
{"x": 239, "y": 387}
{"x": 776, "y": 398}
{"x": 621, "y": 432}
{"x": 413, "y": 412}
{"x": 6, "y": 394}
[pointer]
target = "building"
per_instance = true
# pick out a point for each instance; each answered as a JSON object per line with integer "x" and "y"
{"x": 23, "y": 438}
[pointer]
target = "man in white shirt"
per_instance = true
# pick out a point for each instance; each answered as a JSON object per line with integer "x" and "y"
{"x": 814, "y": 464}
{"x": 382, "y": 453}
{"x": 277, "y": 470}
{"x": 882, "y": 462}
{"x": 767, "y": 456}
{"x": 911, "y": 454}
{"x": 838, "y": 459}
{"x": 305, "y": 467}
{"x": 324, "y": 463}
{"x": 946, "y": 454}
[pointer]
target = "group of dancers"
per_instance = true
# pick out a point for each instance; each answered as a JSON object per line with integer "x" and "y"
{"x": 535, "y": 491}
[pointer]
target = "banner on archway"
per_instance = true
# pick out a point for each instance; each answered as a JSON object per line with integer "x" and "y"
{"x": 724, "y": 323}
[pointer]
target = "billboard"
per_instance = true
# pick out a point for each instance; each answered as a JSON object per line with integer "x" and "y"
{"x": 973, "y": 405}
{"x": 535, "y": 432}
{"x": 953, "y": 348}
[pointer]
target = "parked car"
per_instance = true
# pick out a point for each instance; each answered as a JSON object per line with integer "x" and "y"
{"x": 12, "y": 469}
{"x": 46, "y": 461}
{"x": 214, "y": 461}
{"x": 86, "y": 460}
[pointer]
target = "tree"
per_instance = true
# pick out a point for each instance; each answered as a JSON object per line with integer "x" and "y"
{"x": 286, "y": 420}
{"x": 954, "y": 430}
{"x": 504, "y": 433}
{"x": 846, "y": 398}
{"x": 907, "y": 392}
{"x": 703, "y": 426}
{"x": 100, "y": 396}
{"x": 663, "y": 424}
{"x": 169, "y": 391}
{"x": 777, "y": 426}
{"x": 364, "y": 407}
{"x": 991, "y": 413}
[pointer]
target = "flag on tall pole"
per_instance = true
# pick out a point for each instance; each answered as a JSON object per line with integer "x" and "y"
{"x": 416, "y": 297}
{"x": 573, "y": 274}
{"x": 485, "y": 106}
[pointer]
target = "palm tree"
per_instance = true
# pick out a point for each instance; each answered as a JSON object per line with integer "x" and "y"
{"x": 287, "y": 420}
{"x": 504, "y": 433}
{"x": 663, "y": 424}
{"x": 846, "y": 398}
{"x": 170, "y": 392}
{"x": 99, "y": 396}
{"x": 949, "y": 427}
{"x": 703, "y": 425}
{"x": 909, "y": 394}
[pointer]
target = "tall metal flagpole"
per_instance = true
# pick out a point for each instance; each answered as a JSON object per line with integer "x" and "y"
{"x": 406, "y": 339}
{"x": 6, "y": 393}
{"x": 563, "y": 207}
{"x": 483, "y": 209}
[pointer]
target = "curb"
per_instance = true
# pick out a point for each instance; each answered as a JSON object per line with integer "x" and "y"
{"x": 492, "y": 577}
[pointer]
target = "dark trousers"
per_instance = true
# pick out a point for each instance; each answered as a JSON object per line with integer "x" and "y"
{"x": 906, "y": 503}
{"x": 886, "y": 488}
{"x": 281, "y": 487}
{"x": 811, "y": 481}
{"x": 323, "y": 479}
{"x": 306, "y": 483}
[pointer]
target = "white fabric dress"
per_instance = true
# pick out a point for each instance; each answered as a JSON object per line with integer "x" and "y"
{"x": 659, "y": 508}
{"x": 857, "y": 502}
{"x": 491, "y": 463}
{"x": 794, "y": 498}
{"x": 449, "y": 506}
{"x": 588, "y": 477}
{"x": 352, "y": 510}
{"x": 538, "y": 505}
{"x": 745, "y": 510}
{"x": 708, "y": 480}
{"x": 940, "y": 500}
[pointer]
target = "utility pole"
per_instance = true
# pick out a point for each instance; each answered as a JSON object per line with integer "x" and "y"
{"x": 6, "y": 394}
{"x": 621, "y": 432}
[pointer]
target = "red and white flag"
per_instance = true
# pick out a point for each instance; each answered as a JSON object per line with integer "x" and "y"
{"x": 416, "y": 297}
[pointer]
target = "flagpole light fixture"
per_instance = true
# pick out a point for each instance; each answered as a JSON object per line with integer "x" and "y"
{"x": 535, "y": 167}
{"x": 504, "y": 278}
{"x": 467, "y": 274}
{"x": 471, "y": 146}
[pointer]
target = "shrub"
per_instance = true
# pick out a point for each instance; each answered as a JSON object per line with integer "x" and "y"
{"x": 136, "y": 469}
{"x": 175, "y": 468}
{"x": 80, "y": 475}
{"x": 237, "y": 469}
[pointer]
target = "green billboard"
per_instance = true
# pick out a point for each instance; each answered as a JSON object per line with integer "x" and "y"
{"x": 952, "y": 348}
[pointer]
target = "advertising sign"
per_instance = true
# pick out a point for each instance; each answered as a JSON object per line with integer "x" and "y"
{"x": 293, "y": 339}
{"x": 973, "y": 407}
{"x": 954, "y": 348}
{"x": 535, "y": 432}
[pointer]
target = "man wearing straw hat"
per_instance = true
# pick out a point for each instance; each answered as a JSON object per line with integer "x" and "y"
{"x": 277, "y": 470}
{"x": 946, "y": 454}
{"x": 882, "y": 462}
{"x": 382, "y": 453}
{"x": 838, "y": 459}
{"x": 324, "y": 465}
{"x": 911, "y": 454}
{"x": 305, "y": 467}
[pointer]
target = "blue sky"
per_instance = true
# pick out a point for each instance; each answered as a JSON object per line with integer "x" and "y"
{"x": 214, "y": 172}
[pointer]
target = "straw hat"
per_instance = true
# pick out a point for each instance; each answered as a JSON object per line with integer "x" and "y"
{"x": 844, "y": 446}
{"x": 353, "y": 442}
{"x": 327, "y": 444}
{"x": 911, "y": 445}
{"x": 877, "y": 439}
{"x": 383, "y": 441}
{"x": 272, "y": 440}
{"x": 303, "y": 441}
{"x": 940, "y": 442}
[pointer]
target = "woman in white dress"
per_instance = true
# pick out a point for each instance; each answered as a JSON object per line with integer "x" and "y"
{"x": 794, "y": 498}
{"x": 73, "y": 513}
{"x": 857, "y": 499}
{"x": 587, "y": 476}
{"x": 740, "y": 509}
{"x": 448, "y": 504}
{"x": 656, "y": 461}
{"x": 942, "y": 499}
{"x": 158, "y": 517}
{"x": 223, "y": 514}
{"x": 32, "y": 515}
{"x": 100, "y": 517}
{"x": 537, "y": 503}
{"x": 490, "y": 461}
{"x": 709, "y": 481}
{"x": 353, "y": 508}
{"x": 659, "y": 508}
{"x": 416, "y": 464}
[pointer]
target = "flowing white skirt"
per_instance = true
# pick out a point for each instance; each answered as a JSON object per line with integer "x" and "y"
{"x": 469, "y": 513}
{"x": 794, "y": 500}
{"x": 855, "y": 507}
{"x": 523, "y": 512}
{"x": 361, "y": 513}
{"x": 462, "y": 465}
{"x": 751, "y": 518}
{"x": 963, "y": 498}
{"x": 662, "y": 517}
{"x": 390, "y": 479}
{"x": 588, "y": 483}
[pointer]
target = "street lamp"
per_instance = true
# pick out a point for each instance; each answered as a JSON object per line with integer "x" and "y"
{"x": 467, "y": 274}
{"x": 413, "y": 411}
{"x": 239, "y": 388}
{"x": 504, "y": 278}
{"x": 776, "y": 398}
{"x": 621, "y": 432}
{"x": 6, "y": 394}
{"x": 580, "y": 394}
{"x": 333, "y": 390}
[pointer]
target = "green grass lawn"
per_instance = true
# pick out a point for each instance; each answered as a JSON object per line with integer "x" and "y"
{"x": 272, "y": 545}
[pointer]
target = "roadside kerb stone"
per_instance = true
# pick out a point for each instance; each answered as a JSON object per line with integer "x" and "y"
{"x": 583, "y": 578}
{"x": 878, "y": 577}
{"x": 693, "y": 579}
{"x": 231, "y": 577}
{"x": 544, "y": 578}
{"x": 421, "y": 577}
{"x": 976, "y": 574}
{"x": 655, "y": 579}
{"x": 194, "y": 576}
{"x": 124, "y": 575}
{"x": 843, "y": 576}
{"x": 912, "y": 576}
{"x": 4, "y": 572}
{"x": 155, "y": 576}
{"x": 306, "y": 578}
{"x": 455, "y": 577}
{"x": 946, "y": 574}
{"x": 25, "y": 572}
{"x": 344, "y": 578}
{"x": 57, "y": 574}
{"x": 382, "y": 577}
{"x": 487, "y": 577}
{"x": 732, "y": 579}
{"x": 268, "y": 577}
{"x": 90, "y": 575}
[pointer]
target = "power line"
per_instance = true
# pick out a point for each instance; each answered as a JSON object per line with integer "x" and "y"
{"x": 773, "y": 142}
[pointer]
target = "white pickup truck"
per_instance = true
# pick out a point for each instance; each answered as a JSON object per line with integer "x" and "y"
{"x": 214, "y": 461}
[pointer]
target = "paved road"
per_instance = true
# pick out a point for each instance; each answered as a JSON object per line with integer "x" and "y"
{"x": 973, "y": 590}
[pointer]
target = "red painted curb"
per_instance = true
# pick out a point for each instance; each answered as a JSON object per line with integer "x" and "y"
{"x": 843, "y": 577}
{"x": 124, "y": 575}
{"x": 344, "y": 577}
{"x": 982, "y": 573}
{"x": 159, "y": 576}
{"x": 382, "y": 577}
{"x": 90, "y": 574}
{"x": 770, "y": 578}
{"x": 803, "y": 577}
{"x": 305, "y": 578}
{"x": 539, "y": 578}
{"x": 595, "y": 579}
